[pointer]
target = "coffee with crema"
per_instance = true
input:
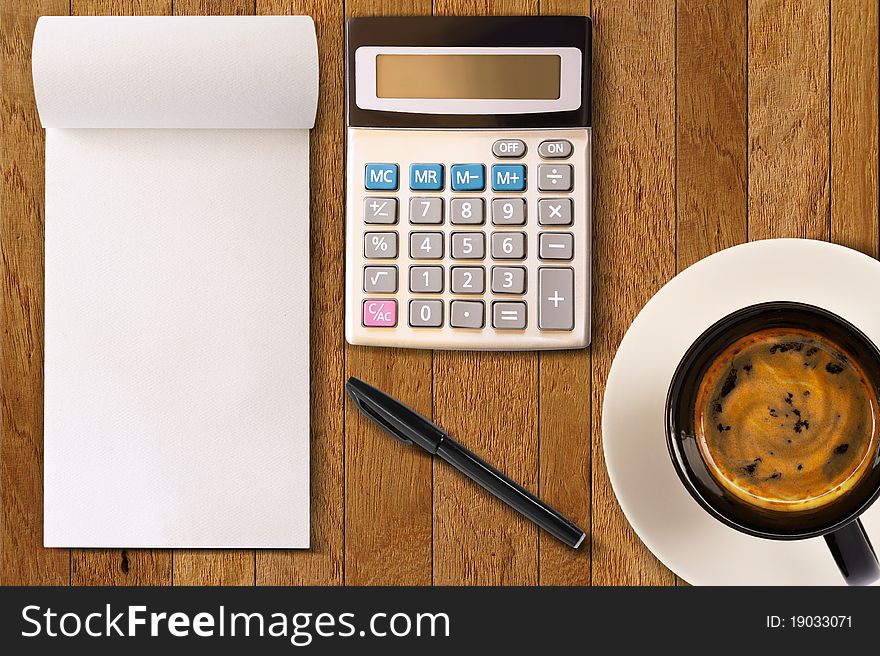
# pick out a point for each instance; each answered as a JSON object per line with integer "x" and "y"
{"x": 786, "y": 420}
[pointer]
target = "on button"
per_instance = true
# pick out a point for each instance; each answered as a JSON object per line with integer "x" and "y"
{"x": 558, "y": 149}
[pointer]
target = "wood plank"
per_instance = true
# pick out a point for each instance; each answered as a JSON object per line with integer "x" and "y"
{"x": 854, "y": 124}
{"x": 121, "y": 7}
{"x": 788, "y": 119}
{"x": 634, "y": 229}
{"x": 214, "y": 7}
{"x": 23, "y": 560}
{"x": 712, "y": 129}
{"x": 118, "y": 567}
{"x": 115, "y": 566}
{"x": 712, "y": 118}
{"x": 213, "y": 566}
{"x": 322, "y": 563}
{"x": 564, "y": 431}
{"x": 387, "y": 485}
{"x": 489, "y": 402}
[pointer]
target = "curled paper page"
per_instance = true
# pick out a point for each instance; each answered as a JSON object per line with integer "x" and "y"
{"x": 177, "y": 279}
{"x": 176, "y": 72}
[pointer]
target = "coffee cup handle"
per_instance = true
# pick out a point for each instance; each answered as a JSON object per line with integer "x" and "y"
{"x": 853, "y": 553}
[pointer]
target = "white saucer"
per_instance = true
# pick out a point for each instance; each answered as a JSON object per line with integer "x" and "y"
{"x": 690, "y": 542}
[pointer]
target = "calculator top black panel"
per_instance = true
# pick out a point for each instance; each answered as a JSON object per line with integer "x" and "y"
{"x": 470, "y": 31}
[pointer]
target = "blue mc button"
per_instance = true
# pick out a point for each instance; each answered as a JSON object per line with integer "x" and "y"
{"x": 508, "y": 177}
{"x": 426, "y": 177}
{"x": 381, "y": 176}
{"x": 468, "y": 177}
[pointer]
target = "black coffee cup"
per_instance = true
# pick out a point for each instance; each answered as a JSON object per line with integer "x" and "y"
{"x": 838, "y": 521}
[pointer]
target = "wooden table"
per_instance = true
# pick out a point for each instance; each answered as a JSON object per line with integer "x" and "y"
{"x": 715, "y": 123}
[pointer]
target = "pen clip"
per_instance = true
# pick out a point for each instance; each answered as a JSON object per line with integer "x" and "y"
{"x": 376, "y": 417}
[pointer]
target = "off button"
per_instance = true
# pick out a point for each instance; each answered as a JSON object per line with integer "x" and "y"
{"x": 514, "y": 148}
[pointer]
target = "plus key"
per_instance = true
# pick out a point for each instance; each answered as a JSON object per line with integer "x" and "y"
{"x": 556, "y": 292}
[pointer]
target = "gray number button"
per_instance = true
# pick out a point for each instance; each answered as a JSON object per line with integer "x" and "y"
{"x": 554, "y": 177}
{"x": 556, "y": 246}
{"x": 426, "y": 245}
{"x": 425, "y": 313}
{"x": 380, "y": 245}
{"x": 426, "y": 210}
{"x": 380, "y": 279}
{"x": 509, "y": 211}
{"x": 555, "y": 149}
{"x": 468, "y": 245}
{"x": 509, "y": 148}
{"x": 556, "y": 293}
{"x": 468, "y": 280}
{"x": 466, "y": 211}
{"x": 426, "y": 279}
{"x": 466, "y": 314}
{"x": 508, "y": 245}
{"x": 380, "y": 210}
{"x": 554, "y": 211}
{"x": 509, "y": 316}
{"x": 508, "y": 280}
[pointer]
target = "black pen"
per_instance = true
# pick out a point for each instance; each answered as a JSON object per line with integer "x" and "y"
{"x": 408, "y": 426}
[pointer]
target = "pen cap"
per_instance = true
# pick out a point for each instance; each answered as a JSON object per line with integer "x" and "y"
{"x": 401, "y": 422}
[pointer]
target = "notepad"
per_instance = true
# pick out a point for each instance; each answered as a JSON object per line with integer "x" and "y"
{"x": 177, "y": 279}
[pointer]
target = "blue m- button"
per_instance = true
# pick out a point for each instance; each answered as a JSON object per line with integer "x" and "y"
{"x": 468, "y": 177}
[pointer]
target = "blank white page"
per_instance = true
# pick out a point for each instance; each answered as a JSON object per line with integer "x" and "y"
{"x": 176, "y": 327}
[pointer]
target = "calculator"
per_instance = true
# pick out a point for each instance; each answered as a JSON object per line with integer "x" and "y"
{"x": 468, "y": 206}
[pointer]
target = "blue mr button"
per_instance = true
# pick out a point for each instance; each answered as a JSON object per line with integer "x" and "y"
{"x": 426, "y": 177}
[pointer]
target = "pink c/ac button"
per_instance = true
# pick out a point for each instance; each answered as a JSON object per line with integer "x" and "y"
{"x": 380, "y": 313}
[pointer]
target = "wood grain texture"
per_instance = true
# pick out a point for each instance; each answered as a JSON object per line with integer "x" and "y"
{"x": 121, "y": 7}
{"x": 634, "y": 237}
{"x": 322, "y": 563}
{"x": 789, "y": 194}
{"x": 713, "y": 123}
{"x": 23, "y": 560}
{"x": 711, "y": 175}
{"x": 388, "y": 493}
{"x": 712, "y": 120}
{"x": 854, "y": 124}
{"x": 477, "y": 539}
{"x": 564, "y": 438}
{"x": 213, "y": 566}
{"x": 114, "y": 566}
{"x": 214, "y": 7}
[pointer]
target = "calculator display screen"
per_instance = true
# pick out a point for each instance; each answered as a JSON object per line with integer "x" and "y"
{"x": 468, "y": 76}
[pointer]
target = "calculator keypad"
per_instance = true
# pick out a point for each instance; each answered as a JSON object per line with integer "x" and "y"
{"x": 509, "y": 211}
{"x": 508, "y": 245}
{"x": 380, "y": 245}
{"x": 380, "y": 279}
{"x": 426, "y": 245}
{"x": 426, "y": 210}
{"x": 423, "y": 279}
{"x": 380, "y": 210}
{"x": 468, "y": 280}
{"x": 468, "y": 245}
{"x": 483, "y": 242}
{"x": 466, "y": 211}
